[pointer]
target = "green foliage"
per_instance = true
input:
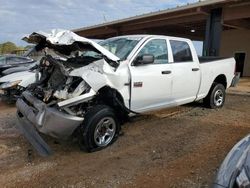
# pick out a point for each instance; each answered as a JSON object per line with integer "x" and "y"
{"x": 9, "y": 47}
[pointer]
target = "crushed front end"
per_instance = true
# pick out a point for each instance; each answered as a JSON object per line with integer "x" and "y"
{"x": 51, "y": 105}
{"x": 34, "y": 114}
{"x": 67, "y": 87}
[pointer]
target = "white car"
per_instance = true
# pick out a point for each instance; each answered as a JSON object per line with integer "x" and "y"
{"x": 92, "y": 94}
{"x": 12, "y": 85}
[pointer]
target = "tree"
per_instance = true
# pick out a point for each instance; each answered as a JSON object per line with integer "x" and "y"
{"x": 7, "y": 47}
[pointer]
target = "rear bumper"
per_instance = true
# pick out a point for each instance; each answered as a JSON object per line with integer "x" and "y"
{"x": 235, "y": 80}
{"x": 34, "y": 115}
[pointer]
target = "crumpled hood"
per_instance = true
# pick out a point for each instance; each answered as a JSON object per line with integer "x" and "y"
{"x": 26, "y": 77}
{"x": 60, "y": 39}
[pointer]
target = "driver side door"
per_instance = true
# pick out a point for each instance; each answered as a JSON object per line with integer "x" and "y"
{"x": 151, "y": 84}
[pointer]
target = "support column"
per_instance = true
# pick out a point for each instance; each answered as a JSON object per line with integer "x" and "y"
{"x": 213, "y": 33}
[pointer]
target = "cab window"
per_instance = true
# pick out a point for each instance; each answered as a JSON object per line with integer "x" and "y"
{"x": 157, "y": 48}
{"x": 181, "y": 51}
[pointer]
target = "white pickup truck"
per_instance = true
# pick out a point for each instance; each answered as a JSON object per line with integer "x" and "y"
{"x": 100, "y": 85}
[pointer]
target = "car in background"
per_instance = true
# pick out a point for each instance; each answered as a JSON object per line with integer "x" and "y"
{"x": 12, "y": 85}
{"x": 10, "y": 61}
{"x": 234, "y": 171}
{"x": 19, "y": 69}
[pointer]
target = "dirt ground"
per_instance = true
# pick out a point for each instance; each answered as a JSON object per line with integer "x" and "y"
{"x": 242, "y": 88}
{"x": 180, "y": 147}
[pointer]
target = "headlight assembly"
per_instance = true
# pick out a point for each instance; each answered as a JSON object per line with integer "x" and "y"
{"x": 9, "y": 84}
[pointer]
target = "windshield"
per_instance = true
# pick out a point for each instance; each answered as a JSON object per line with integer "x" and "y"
{"x": 121, "y": 47}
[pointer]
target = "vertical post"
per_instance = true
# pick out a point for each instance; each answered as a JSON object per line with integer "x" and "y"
{"x": 213, "y": 33}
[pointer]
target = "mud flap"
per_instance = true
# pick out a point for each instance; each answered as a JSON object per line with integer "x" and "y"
{"x": 235, "y": 80}
{"x": 33, "y": 137}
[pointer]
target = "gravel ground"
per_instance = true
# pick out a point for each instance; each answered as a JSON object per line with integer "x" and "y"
{"x": 179, "y": 147}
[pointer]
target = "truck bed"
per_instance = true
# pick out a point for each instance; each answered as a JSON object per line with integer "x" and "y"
{"x": 209, "y": 59}
{"x": 213, "y": 67}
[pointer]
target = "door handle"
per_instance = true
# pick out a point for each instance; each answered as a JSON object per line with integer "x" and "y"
{"x": 195, "y": 69}
{"x": 166, "y": 72}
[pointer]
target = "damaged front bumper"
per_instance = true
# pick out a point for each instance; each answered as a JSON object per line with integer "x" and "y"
{"x": 34, "y": 115}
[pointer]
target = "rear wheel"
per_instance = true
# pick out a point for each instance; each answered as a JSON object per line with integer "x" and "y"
{"x": 216, "y": 96}
{"x": 100, "y": 128}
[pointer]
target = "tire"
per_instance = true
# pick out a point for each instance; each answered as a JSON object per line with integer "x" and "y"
{"x": 99, "y": 129}
{"x": 216, "y": 96}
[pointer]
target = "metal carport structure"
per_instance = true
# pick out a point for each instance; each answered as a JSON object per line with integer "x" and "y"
{"x": 205, "y": 21}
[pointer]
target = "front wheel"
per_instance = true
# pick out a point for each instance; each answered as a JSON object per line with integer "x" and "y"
{"x": 99, "y": 129}
{"x": 216, "y": 96}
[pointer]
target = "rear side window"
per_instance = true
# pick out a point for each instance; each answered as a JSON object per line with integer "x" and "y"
{"x": 181, "y": 51}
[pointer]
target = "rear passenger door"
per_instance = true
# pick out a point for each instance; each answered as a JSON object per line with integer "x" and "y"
{"x": 186, "y": 72}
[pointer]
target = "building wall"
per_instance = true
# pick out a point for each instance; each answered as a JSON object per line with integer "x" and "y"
{"x": 236, "y": 41}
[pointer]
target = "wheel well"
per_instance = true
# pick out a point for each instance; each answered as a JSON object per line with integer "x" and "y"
{"x": 114, "y": 99}
{"x": 221, "y": 79}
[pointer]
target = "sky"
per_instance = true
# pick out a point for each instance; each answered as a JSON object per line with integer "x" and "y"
{"x": 22, "y": 17}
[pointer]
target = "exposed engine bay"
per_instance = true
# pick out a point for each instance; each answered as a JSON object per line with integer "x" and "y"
{"x": 65, "y": 77}
{"x": 62, "y": 82}
{"x": 55, "y": 82}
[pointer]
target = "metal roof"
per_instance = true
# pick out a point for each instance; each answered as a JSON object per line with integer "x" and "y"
{"x": 200, "y": 3}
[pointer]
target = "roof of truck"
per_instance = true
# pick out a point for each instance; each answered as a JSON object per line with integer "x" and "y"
{"x": 148, "y": 36}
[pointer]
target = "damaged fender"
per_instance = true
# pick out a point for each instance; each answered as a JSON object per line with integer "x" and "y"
{"x": 99, "y": 74}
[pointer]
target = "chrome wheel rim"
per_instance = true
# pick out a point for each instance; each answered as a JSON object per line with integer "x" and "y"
{"x": 218, "y": 97}
{"x": 104, "y": 131}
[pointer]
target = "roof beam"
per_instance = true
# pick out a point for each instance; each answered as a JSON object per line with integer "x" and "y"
{"x": 153, "y": 23}
{"x": 236, "y": 12}
{"x": 166, "y": 16}
{"x": 238, "y": 24}
{"x": 124, "y": 28}
{"x": 97, "y": 31}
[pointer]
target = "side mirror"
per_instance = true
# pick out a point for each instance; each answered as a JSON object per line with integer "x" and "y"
{"x": 144, "y": 60}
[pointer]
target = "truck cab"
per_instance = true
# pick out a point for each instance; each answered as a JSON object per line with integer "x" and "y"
{"x": 173, "y": 75}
